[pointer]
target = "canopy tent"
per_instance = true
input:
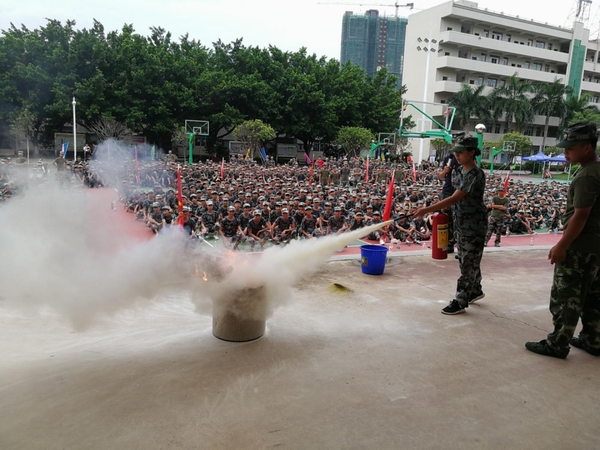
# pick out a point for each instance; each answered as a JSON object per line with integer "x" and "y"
{"x": 538, "y": 157}
{"x": 558, "y": 158}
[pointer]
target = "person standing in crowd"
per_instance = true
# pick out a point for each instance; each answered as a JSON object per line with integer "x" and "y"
{"x": 497, "y": 217}
{"x": 324, "y": 175}
{"x": 345, "y": 174}
{"x": 575, "y": 289}
{"x": 447, "y": 175}
{"x": 470, "y": 218}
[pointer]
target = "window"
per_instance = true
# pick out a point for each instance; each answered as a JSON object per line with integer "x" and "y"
{"x": 519, "y": 65}
{"x": 549, "y": 46}
{"x": 479, "y": 81}
{"x": 547, "y": 68}
{"x": 508, "y": 37}
{"x": 474, "y": 58}
{"x": 496, "y": 35}
{"x": 444, "y": 78}
{"x": 540, "y": 44}
{"x": 497, "y": 129}
{"x": 447, "y": 54}
{"x": 486, "y": 33}
{"x": 471, "y": 81}
{"x": 529, "y": 42}
{"x": 442, "y": 101}
{"x": 538, "y": 131}
{"x": 491, "y": 82}
{"x": 483, "y": 57}
{"x": 449, "y": 29}
{"x": 494, "y": 59}
{"x": 502, "y": 83}
{"x": 527, "y": 64}
{"x": 537, "y": 66}
{"x": 505, "y": 61}
{"x": 593, "y": 99}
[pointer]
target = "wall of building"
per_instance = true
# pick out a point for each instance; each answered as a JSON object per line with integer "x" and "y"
{"x": 372, "y": 41}
{"x": 457, "y": 42}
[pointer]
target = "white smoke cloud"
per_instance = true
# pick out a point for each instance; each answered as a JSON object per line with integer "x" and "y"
{"x": 63, "y": 250}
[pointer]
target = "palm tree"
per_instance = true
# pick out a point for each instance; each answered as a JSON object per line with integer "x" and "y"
{"x": 515, "y": 103}
{"x": 577, "y": 107}
{"x": 469, "y": 102}
{"x": 549, "y": 100}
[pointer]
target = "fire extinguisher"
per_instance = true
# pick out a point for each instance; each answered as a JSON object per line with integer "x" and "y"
{"x": 439, "y": 247}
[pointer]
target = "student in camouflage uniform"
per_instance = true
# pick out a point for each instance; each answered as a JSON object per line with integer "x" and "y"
{"x": 470, "y": 221}
{"x": 230, "y": 229}
{"x": 497, "y": 217}
{"x": 576, "y": 286}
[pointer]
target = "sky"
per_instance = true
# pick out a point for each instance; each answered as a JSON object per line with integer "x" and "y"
{"x": 286, "y": 24}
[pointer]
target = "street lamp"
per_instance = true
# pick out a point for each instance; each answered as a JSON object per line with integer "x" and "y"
{"x": 433, "y": 48}
{"x": 480, "y": 129}
{"x": 74, "y": 132}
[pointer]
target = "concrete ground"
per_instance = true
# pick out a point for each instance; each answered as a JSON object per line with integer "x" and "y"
{"x": 378, "y": 368}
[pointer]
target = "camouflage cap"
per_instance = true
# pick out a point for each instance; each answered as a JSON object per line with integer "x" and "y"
{"x": 467, "y": 143}
{"x": 579, "y": 132}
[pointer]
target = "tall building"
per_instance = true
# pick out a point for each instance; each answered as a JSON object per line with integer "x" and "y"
{"x": 457, "y": 42}
{"x": 372, "y": 42}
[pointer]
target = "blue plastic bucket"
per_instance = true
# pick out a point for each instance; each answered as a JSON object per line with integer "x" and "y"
{"x": 373, "y": 259}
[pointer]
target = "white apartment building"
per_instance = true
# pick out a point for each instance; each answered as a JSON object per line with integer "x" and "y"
{"x": 457, "y": 42}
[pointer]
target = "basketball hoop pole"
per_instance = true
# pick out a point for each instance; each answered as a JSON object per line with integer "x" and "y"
{"x": 191, "y": 149}
{"x": 494, "y": 154}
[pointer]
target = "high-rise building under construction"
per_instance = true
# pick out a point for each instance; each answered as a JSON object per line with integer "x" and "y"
{"x": 373, "y": 42}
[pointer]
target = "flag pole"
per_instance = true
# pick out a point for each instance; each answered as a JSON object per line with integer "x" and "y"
{"x": 74, "y": 131}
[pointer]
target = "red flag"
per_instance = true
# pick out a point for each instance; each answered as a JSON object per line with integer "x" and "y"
{"x": 179, "y": 196}
{"x": 414, "y": 172}
{"x": 310, "y": 175}
{"x": 388, "y": 201}
{"x": 367, "y": 171}
{"x": 506, "y": 183}
{"x": 223, "y": 168}
{"x": 137, "y": 167}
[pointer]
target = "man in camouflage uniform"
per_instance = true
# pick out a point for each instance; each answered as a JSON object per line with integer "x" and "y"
{"x": 230, "y": 229}
{"x": 497, "y": 217}
{"x": 576, "y": 286}
{"x": 470, "y": 221}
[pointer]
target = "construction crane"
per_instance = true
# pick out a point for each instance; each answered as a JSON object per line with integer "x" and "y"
{"x": 395, "y": 5}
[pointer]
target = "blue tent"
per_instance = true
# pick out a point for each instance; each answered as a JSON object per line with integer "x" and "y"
{"x": 558, "y": 158}
{"x": 538, "y": 157}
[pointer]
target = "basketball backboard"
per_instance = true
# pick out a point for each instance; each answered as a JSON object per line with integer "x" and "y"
{"x": 199, "y": 127}
{"x": 432, "y": 120}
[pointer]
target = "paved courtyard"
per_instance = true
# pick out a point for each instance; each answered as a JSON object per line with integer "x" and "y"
{"x": 375, "y": 368}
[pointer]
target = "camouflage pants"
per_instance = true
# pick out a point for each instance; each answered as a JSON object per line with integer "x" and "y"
{"x": 470, "y": 251}
{"x": 495, "y": 226}
{"x": 576, "y": 293}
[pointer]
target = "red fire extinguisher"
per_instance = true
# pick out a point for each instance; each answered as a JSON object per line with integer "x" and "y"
{"x": 439, "y": 247}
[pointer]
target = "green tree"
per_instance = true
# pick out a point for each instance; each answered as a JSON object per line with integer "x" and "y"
{"x": 354, "y": 139}
{"x": 255, "y": 133}
{"x": 514, "y": 101}
{"x": 469, "y": 102}
{"x": 23, "y": 126}
{"x": 575, "y": 105}
{"x": 549, "y": 100}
